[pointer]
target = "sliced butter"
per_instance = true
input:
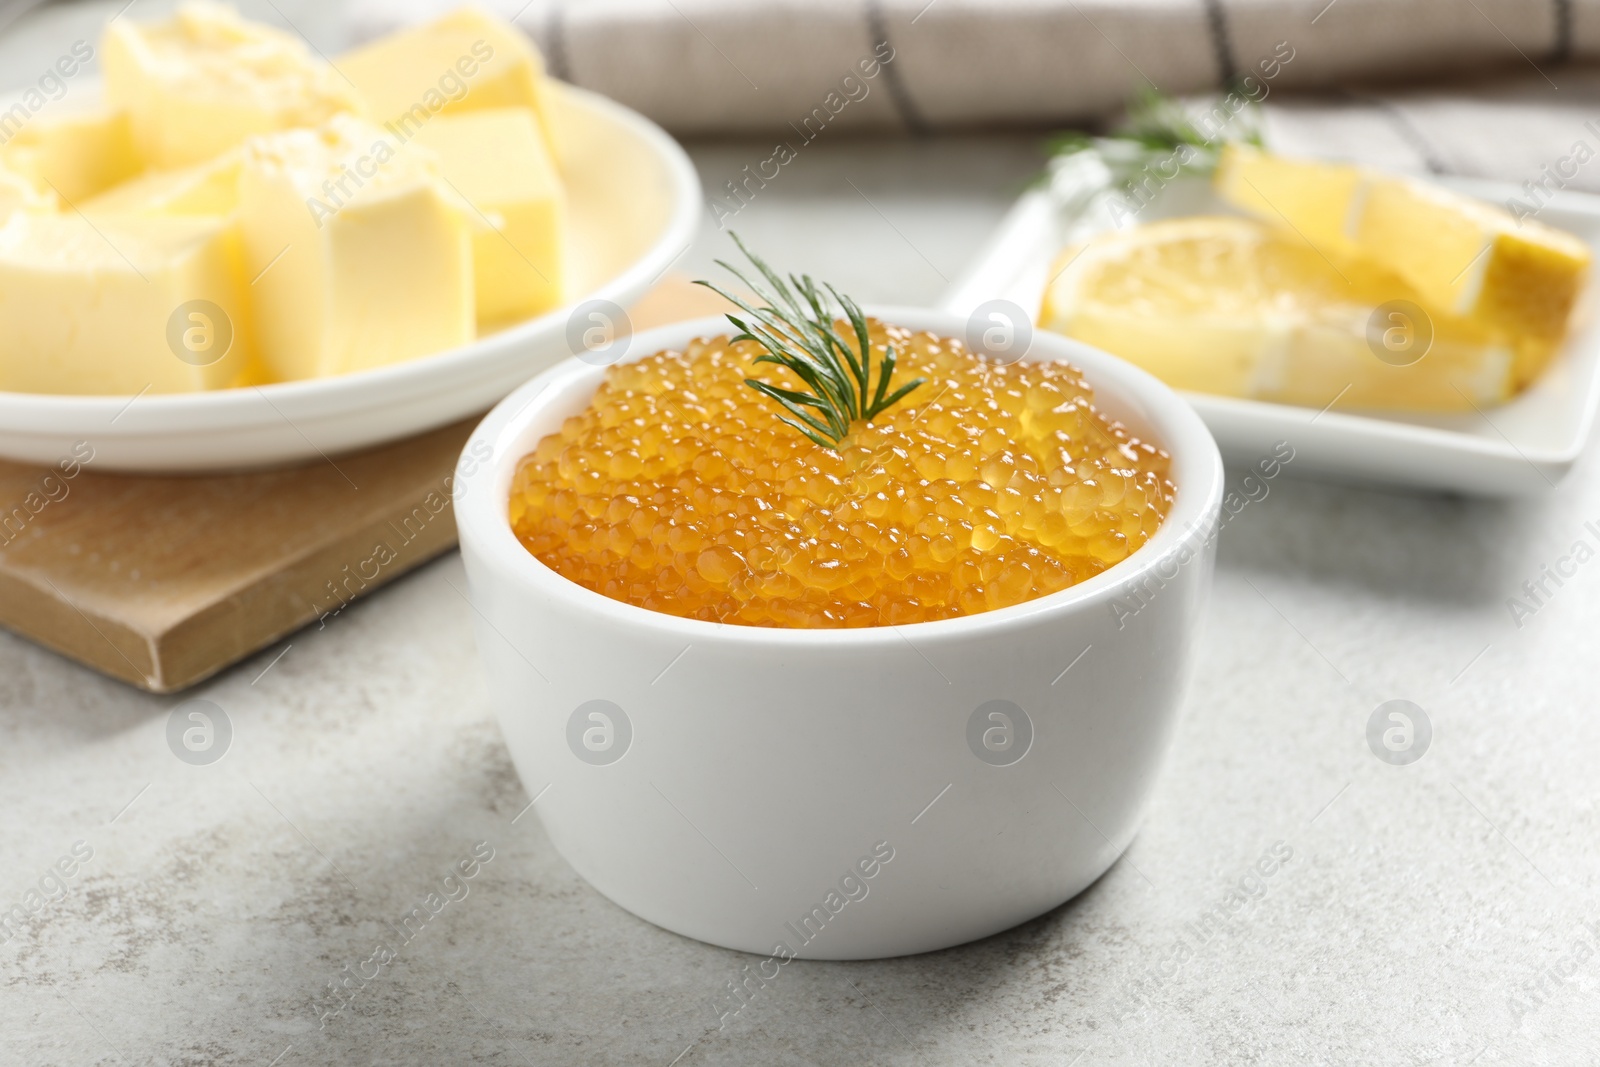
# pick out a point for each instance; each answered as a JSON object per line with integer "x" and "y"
{"x": 496, "y": 159}
{"x": 209, "y": 188}
{"x": 106, "y": 307}
{"x": 468, "y": 60}
{"x": 18, "y": 194}
{"x": 201, "y": 82}
{"x": 73, "y": 157}
{"x": 357, "y": 254}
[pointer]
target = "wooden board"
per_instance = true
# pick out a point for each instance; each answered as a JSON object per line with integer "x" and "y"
{"x": 163, "y": 581}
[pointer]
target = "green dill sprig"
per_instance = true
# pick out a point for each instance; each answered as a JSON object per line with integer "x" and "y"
{"x": 796, "y": 327}
{"x": 1158, "y": 128}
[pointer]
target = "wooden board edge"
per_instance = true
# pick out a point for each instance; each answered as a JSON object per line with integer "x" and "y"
{"x": 46, "y": 616}
{"x": 288, "y": 600}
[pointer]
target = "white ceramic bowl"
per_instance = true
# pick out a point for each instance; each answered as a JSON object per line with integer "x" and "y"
{"x": 722, "y": 781}
{"x": 633, "y": 207}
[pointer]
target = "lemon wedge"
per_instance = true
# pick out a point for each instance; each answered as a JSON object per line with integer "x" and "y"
{"x": 1517, "y": 280}
{"x": 1313, "y": 199}
{"x": 1230, "y": 305}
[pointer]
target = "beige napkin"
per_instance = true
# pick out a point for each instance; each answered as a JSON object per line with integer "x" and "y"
{"x": 744, "y": 66}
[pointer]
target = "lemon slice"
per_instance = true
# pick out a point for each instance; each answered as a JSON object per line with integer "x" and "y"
{"x": 1518, "y": 281}
{"x": 1234, "y": 306}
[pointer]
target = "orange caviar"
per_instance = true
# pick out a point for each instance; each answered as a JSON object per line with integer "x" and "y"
{"x": 680, "y": 490}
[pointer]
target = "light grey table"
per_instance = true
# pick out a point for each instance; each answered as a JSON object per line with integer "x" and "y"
{"x": 1427, "y": 914}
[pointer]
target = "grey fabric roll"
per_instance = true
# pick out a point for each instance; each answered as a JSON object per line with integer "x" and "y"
{"x": 745, "y": 66}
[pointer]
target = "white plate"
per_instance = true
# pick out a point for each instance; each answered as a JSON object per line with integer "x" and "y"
{"x": 633, "y": 207}
{"x": 1524, "y": 446}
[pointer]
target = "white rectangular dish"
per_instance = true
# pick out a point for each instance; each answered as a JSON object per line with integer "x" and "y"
{"x": 1525, "y": 446}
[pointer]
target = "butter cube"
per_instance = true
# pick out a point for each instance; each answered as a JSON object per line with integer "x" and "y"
{"x": 18, "y": 194}
{"x": 359, "y": 255}
{"x": 496, "y": 158}
{"x": 74, "y": 156}
{"x": 120, "y": 306}
{"x": 204, "y": 80}
{"x": 468, "y": 60}
{"x": 209, "y": 188}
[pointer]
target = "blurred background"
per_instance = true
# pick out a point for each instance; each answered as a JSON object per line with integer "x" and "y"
{"x": 896, "y": 192}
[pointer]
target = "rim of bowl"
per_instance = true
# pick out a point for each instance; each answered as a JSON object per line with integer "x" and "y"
{"x": 225, "y": 406}
{"x": 481, "y": 491}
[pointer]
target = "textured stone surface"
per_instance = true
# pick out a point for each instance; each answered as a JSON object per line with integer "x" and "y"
{"x": 221, "y": 899}
{"x": 1418, "y": 901}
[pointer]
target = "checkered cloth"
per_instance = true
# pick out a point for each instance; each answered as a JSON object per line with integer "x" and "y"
{"x": 1518, "y": 129}
{"x": 763, "y": 66}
